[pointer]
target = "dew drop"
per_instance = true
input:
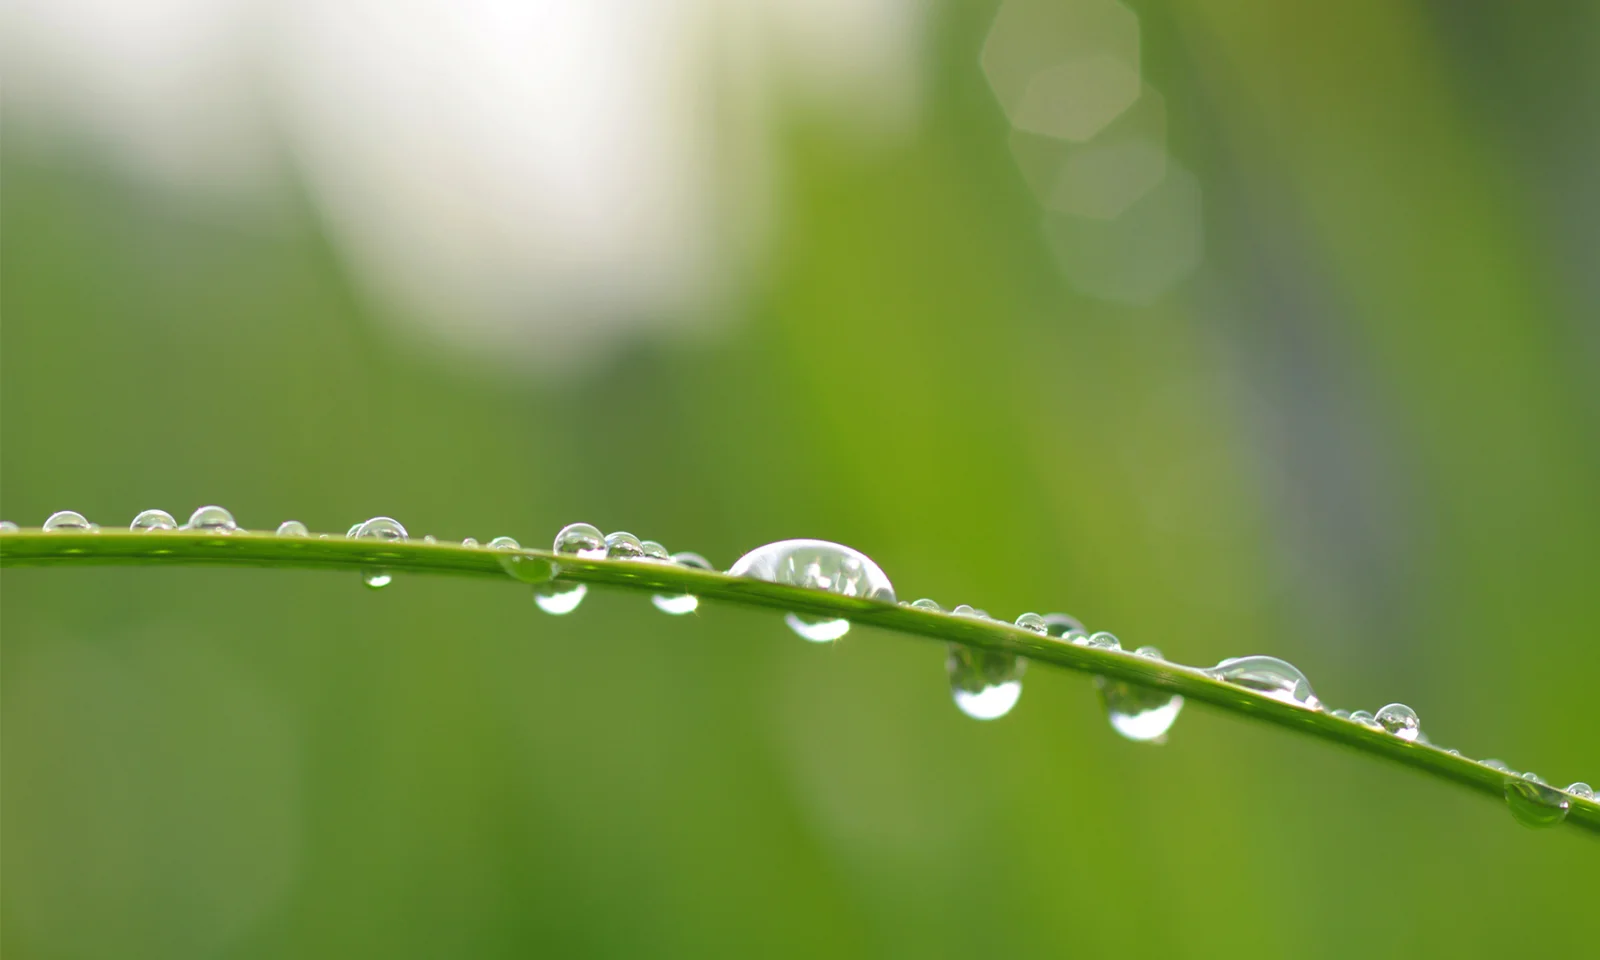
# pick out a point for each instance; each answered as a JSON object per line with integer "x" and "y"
{"x": 149, "y": 520}
{"x": 430, "y": 539}
{"x": 1400, "y": 720}
{"x": 379, "y": 528}
{"x": 1276, "y": 678}
{"x": 292, "y": 528}
{"x": 1138, "y": 712}
{"x": 1063, "y": 627}
{"x": 6, "y": 526}
{"x": 1341, "y": 714}
{"x": 581, "y": 540}
{"x": 654, "y": 551}
{"x": 682, "y": 603}
{"x": 212, "y": 519}
{"x": 985, "y": 684}
{"x": 1581, "y": 790}
{"x": 1033, "y": 623}
{"x": 350, "y": 534}
{"x": 1364, "y": 718}
{"x": 67, "y": 521}
{"x": 623, "y": 545}
{"x": 967, "y": 610}
{"x": 1500, "y": 765}
{"x": 924, "y": 603}
{"x": 1103, "y": 641}
{"x": 504, "y": 543}
{"x": 817, "y": 565}
{"x": 1536, "y": 804}
{"x": 1149, "y": 652}
{"x": 468, "y": 542}
{"x": 1453, "y": 752}
{"x": 376, "y": 577}
{"x": 521, "y": 566}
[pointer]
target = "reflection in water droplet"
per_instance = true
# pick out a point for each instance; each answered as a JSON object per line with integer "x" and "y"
{"x": 1276, "y": 678}
{"x": 581, "y": 540}
{"x": 925, "y": 604}
{"x": 6, "y": 526}
{"x": 1103, "y": 641}
{"x": 468, "y": 542}
{"x": 1063, "y": 627}
{"x": 379, "y": 528}
{"x": 1534, "y": 777}
{"x": 1139, "y": 713}
{"x": 1364, "y": 718}
{"x": 623, "y": 545}
{"x": 682, "y": 603}
{"x": 67, "y": 521}
{"x": 985, "y": 684}
{"x": 817, "y": 565}
{"x": 519, "y": 565}
{"x": 1033, "y": 623}
{"x": 1581, "y": 790}
{"x": 350, "y": 534}
{"x": 149, "y": 520}
{"x": 1535, "y": 804}
{"x": 1341, "y": 714}
{"x": 1400, "y": 720}
{"x": 504, "y": 543}
{"x": 654, "y": 551}
{"x": 292, "y": 528}
{"x": 1154, "y": 653}
{"x": 212, "y": 519}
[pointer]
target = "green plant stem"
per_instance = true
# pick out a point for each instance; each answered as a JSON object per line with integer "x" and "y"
{"x": 37, "y": 548}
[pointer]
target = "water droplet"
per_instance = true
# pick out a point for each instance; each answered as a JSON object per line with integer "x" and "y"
{"x": 149, "y": 520}
{"x": 1063, "y": 627}
{"x": 581, "y": 540}
{"x": 1153, "y": 653}
{"x": 1581, "y": 790}
{"x": 430, "y": 539}
{"x": 925, "y": 604}
{"x": 654, "y": 551}
{"x": 1033, "y": 623}
{"x": 1535, "y": 804}
{"x": 1103, "y": 641}
{"x": 212, "y": 519}
{"x": 504, "y": 543}
{"x": 1364, "y": 718}
{"x": 1500, "y": 765}
{"x": 292, "y": 528}
{"x": 1400, "y": 720}
{"x": 67, "y": 521}
{"x": 967, "y": 610}
{"x": 817, "y": 565}
{"x": 985, "y": 684}
{"x": 1531, "y": 776}
{"x": 521, "y": 566}
{"x": 1342, "y": 714}
{"x": 468, "y": 542}
{"x": 6, "y": 526}
{"x": 1453, "y": 752}
{"x": 379, "y": 528}
{"x": 1276, "y": 678}
{"x": 623, "y": 545}
{"x": 684, "y": 602}
{"x": 350, "y": 534}
{"x": 1138, "y": 712}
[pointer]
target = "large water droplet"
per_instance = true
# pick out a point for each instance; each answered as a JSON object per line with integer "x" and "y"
{"x": 1278, "y": 679}
{"x": 581, "y": 540}
{"x": 1400, "y": 720}
{"x": 212, "y": 519}
{"x": 67, "y": 521}
{"x": 355, "y": 528}
{"x": 1581, "y": 790}
{"x": 985, "y": 684}
{"x": 1138, "y": 712}
{"x": 682, "y": 603}
{"x": 6, "y": 526}
{"x": 149, "y": 520}
{"x": 1535, "y": 804}
{"x": 654, "y": 551}
{"x": 1033, "y": 623}
{"x": 623, "y": 545}
{"x": 817, "y": 565}
{"x": 292, "y": 528}
{"x": 379, "y": 528}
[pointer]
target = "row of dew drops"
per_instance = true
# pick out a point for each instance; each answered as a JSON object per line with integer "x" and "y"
{"x": 985, "y": 684}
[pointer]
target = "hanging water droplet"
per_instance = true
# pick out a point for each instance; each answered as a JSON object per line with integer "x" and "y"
{"x": 1400, "y": 720}
{"x": 1033, "y": 623}
{"x": 1364, "y": 718}
{"x": 6, "y": 526}
{"x": 1103, "y": 641}
{"x": 581, "y": 540}
{"x": 1536, "y": 804}
{"x": 1276, "y": 678}
{"x": 212, "y": 519}
{"x": 379, "y": 528}
{"x": 149, "y": 520}
{"x": 682, "y": 603}
{"x": 654, "y": 551}
{"x": 1138, "y": 712}
{"x": 1581, "y": 790}
{"x": 292, "y": 528}
{"x": 623, "y": 545}
{"x": 985, "y": 684}
{"x": 817, "y": 565}
{"x": 67, "y": 521}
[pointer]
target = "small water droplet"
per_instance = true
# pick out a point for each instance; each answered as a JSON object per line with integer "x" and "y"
{"x": 504, "y": 543}
{"x": 376, "y": 577}
{"x": 817, "y": 565}
{"x": 1581, "y": 790}
{"x": 1364, "y": 718}
{"x": 1103, "y": 641}
{"x": 468, "y": 542}
{"x": 1033, "y": 623}
{"x": 149, "y": 520}
{"x": 1400, "y": 720}
{"x": 1138, "y": 712}
{"x": 1453, "y": 752}
{"x": 623, "y": 545}
{"x": 1341, "y": 714}
{"x": 1500, "y": 765}
{"x": 292, "y": 528}
{"x": 212, "y": 519}
{"x": 1531, "y": 776}
{"x": 430, "y": 539}
{"x": 682, "y": 603}
{"x": 6, "y": 526}
{"x": 581, "y": 540}
{"x": 1153, "y": 653}
{"x": 1278, "y": 679}
{"x": 519, "y": 565}
{"x": 1536, "y": 804}
{"x": 1064, "y": 627}
{"x": 925, "y": 604}
{"x": 379, "y": 528}
{"x": 654, "y": 551}
{"x": 967, "y": 610}
{"x": 985, "y": 684}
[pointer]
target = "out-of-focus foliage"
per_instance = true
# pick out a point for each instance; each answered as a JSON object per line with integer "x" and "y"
{"x": 1362, "y": 437}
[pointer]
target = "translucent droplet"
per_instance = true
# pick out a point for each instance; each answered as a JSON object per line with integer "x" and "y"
{"x": 1103, "y": 641}
{"x": 581, "y": 540}
{"x": 654, "y": 551}
{"x": 1535, "y": 804}
{"x": 149, "y": 520}
{"x": 1139, "y": 713}
{"x": 1400, "y": 720}
{"x": 1033, "y": 623}
{"x": 1063, "y": 627}
{"x": 682, "y": 603}
{"x": 350, "y": 534}
{"x": 817, "y": 565}
{"x": 1453, "y": 752}
{"x": 1364, "y": 718}
{"x": 967, "y": 610}
{"x": 521, "y": 566}
{"x": 379, "y": 528}
{"x": 1581, "y": 790}
{"x": 1342, "y": 714}
{"x": 623, "y": 545}
{"x": 1500, "y": 765}
{"x": 212, "y": 519}
{"x": 292, "y": 528}
{"x": 1153, "y": 653}
{"x": 1276, "y": 678}
{"x": 985, "y": 684}
{"x": 430, "y": 539}
{"x": 925, "y": 604}
{"x": 67, "y": 521}
{"x": 504, "y": 543}
{"x": 468, "y": 542}
{"x": 1532, "y": 777}
{"x": 6, "y": 526}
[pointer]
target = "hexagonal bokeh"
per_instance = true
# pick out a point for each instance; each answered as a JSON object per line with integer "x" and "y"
{"x": 1063, "y": 68}
{"x": 1139, "y": 255}
{"x": 1105, "y": 176}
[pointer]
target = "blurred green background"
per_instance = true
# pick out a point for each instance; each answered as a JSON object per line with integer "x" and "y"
{"x": 1364, "y": 436}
